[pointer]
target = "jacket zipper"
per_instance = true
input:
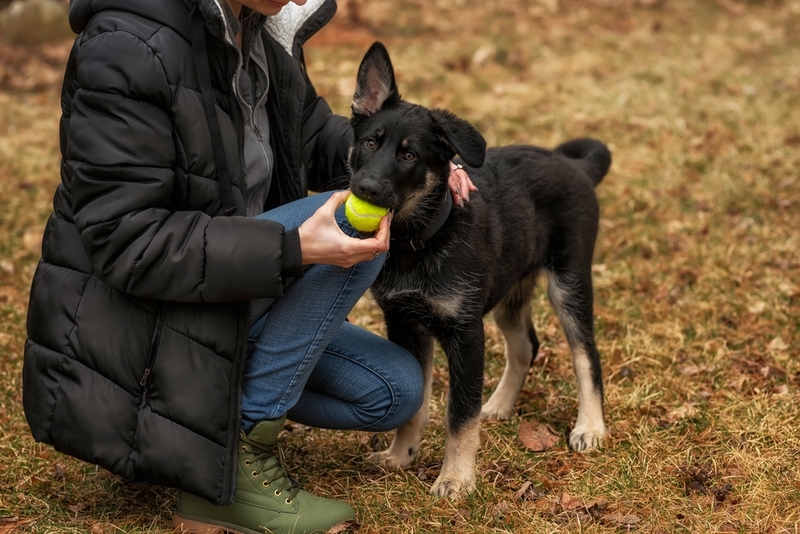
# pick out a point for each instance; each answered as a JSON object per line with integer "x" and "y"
{"x": 245, "y": 116}
{"x": 154, "y": 344}
{"x": 240, "y": 101}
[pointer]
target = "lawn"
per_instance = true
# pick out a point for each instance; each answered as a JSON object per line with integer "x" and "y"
{"x": 697, "y": 271}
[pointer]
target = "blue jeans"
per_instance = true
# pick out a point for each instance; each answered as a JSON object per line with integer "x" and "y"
{"x": 305, "y": 359}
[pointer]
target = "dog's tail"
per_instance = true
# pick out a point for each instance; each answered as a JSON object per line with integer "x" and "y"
{"x": 595, "y": 155}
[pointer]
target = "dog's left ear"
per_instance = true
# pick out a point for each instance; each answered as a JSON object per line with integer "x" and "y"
{"x": 461, "y": 136}
{"x": 375, "y": 85}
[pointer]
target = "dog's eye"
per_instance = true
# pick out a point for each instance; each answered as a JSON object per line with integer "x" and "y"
{"x": 409, "y": 156}
{"x": 370, "y": 144}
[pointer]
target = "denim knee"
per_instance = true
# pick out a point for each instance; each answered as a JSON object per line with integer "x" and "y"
{"x": 395, "y": 406}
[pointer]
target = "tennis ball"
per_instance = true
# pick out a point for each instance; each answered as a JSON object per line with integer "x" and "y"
{"x": 363, "y": 216}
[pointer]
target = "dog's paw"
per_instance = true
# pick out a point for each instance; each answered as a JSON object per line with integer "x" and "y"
{"x": 452, "y": 488}
{"x": 390, "y": 460}
{"x": 491, "y": 412}
{"x": 585, "y": 438}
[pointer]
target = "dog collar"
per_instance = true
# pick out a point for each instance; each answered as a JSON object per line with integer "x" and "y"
{"x": 417, "y": 242}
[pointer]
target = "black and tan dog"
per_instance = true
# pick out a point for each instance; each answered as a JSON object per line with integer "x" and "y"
{"x": 536, "y": 212}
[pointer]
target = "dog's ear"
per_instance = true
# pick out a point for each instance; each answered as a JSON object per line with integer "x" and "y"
{"x": 375, "y": 85}
{"x": 461, "y": 136}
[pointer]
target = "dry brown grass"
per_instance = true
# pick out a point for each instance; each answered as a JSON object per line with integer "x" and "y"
{"x": 697, "y": 273}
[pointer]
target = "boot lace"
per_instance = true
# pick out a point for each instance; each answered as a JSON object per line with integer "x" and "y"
{"x": 265, "y": 459}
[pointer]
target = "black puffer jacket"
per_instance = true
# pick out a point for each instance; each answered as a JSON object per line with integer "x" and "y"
{"x": 139, "y": 307}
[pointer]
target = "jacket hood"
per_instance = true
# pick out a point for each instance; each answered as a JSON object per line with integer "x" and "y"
{"x": 169, "y": 12}
{"x": 291, "y": 27}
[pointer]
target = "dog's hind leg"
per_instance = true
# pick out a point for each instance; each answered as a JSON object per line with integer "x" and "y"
{"x": 405, "y": 445}
{"x": 513, "y": 317}
{"x": 464, "y": 348}
{"x": 571, "y": 296}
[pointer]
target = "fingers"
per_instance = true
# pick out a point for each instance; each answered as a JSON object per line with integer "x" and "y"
{"x": 372, "y": 247}
{"x": 333, "y": 203}
{"x": 322, "y": 241}
{"x": 460, "y": 184}
{"x": 382, "y": 235}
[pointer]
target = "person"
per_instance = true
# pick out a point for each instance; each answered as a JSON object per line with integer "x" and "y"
{"x": 192, "y": 294}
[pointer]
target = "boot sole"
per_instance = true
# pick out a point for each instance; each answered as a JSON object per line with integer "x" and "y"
{"x": 182, "y": 525}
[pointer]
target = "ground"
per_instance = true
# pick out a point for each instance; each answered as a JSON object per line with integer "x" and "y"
{"x": 697, "y": 274}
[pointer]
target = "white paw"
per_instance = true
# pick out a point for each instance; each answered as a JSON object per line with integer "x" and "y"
{"x": 584, "y": 438}
{"x": 391, "y": 460}
{"x": 489, "y": 411}
{"x": 452, "y": 488}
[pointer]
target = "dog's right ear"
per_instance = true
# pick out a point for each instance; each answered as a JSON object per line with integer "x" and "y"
{"x": 375, "y": 85}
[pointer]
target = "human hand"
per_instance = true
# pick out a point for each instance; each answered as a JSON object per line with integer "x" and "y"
{"x": 459, "y": 183}
{"x": 322, "y": 241}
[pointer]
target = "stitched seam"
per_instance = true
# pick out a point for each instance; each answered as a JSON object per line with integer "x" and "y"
{"x": 193, "y": 339}
{"x": 315, "y": 342}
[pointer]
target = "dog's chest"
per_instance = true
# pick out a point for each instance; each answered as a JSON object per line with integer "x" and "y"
{"x": 422, "y": 292}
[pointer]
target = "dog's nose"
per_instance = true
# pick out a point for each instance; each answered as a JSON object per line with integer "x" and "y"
{"x": 368, "y": 189}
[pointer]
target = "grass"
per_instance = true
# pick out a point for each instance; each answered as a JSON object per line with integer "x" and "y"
{"x": 697, "y": 273}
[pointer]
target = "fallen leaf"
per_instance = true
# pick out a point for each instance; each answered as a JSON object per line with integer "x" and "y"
{"x": 375, "y": 442}
{"x": 498, "y": 468}
{"x": 77, "y": 507}
{"x": 528, "y": 492}
{"x": 696, "y": 486}
{"x": 771, "y": 370}
{"x": 568, "y": 502}
{"x": 757, "y": 308}
{"x": 58, "y": 471}
{"x": 721, "y": 492}
{"x": 595, "y": 507}
{"x": 731, "y": 526}
{"x": 429, "y": 471}
{"x": 500, "y": 509}
{"x": 782, "y": 389}
{"x": 10, "y": 524}
{"x": 351, "y": 524}
{"x": 701, "y": 473}
{"x": 687, "y": 410}
{"x": 462, "y": 514}
{"x": 539, "y": 439}
{"x": 738, "y": 384}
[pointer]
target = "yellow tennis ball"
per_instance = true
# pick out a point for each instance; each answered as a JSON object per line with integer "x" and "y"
{"x": 363, "y": 216}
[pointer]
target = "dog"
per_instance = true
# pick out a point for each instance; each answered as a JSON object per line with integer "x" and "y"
{"x": 535, "y": 213}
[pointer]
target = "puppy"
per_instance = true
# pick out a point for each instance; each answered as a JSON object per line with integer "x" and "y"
{"x": 536, "y": 213}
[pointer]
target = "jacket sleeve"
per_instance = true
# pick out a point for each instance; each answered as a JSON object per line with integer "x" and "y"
{"x": 120, "y": 152}
{"x": 326, "y": 142}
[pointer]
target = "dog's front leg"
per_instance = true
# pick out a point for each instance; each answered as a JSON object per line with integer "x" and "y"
{"x": 405, "y": 445}
{"x": 464, "y": 349}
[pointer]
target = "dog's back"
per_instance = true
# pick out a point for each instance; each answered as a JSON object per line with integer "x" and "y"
{"x": 528, "y": 196}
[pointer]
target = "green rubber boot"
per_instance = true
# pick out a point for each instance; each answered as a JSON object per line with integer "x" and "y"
{"x": 266, "y": 499}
